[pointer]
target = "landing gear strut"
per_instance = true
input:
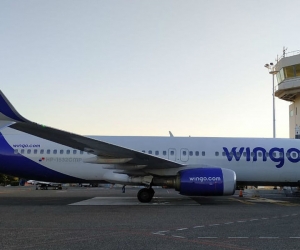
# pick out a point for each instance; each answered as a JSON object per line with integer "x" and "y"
{"x": 145, "y": 195}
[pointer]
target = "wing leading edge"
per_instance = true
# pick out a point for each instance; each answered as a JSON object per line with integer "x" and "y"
{"x": 106, "y": 152}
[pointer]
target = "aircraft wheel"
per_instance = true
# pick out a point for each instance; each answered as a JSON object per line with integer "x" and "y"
{"x": 145, "y": 195}
{"x": 152, "y": 190}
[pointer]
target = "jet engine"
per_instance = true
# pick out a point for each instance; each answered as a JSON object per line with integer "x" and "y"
{"x": 201, "y": 182}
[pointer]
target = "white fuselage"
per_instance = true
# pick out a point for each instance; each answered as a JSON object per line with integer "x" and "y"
{"x": 254, "y": 160}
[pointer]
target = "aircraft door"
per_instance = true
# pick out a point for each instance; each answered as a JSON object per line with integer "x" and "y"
{"x": 184, "y": 154}
{"x": 172, "y": 154}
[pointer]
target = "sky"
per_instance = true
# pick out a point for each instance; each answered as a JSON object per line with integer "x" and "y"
{"x": 195, "y": 68}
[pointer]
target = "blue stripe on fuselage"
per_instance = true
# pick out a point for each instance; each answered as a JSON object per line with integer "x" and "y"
{"x": 20, "y": 166}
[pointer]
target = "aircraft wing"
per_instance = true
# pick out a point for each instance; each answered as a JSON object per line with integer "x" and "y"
{"x": 106, "y": 153}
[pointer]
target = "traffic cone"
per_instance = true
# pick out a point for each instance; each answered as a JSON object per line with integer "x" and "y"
{"x": 241, "y": 193}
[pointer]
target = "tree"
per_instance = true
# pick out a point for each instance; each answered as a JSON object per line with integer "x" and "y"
{"x": 7, "y": 179}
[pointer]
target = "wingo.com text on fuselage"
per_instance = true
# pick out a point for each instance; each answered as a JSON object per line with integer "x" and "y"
{"x": 275, "y": 154}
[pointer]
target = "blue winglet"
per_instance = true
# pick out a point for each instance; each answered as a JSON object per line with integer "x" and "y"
{"x": 8, "y": 112}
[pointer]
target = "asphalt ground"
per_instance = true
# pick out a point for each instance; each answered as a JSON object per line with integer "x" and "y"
{"x": 103, "y": 218}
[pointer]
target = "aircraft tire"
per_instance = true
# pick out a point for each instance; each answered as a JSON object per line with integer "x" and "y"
{"x": 152, "y": 190}
{"x": 145, "y": 195}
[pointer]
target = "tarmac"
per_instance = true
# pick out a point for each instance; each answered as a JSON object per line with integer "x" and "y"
{"x": 104, "y": 218}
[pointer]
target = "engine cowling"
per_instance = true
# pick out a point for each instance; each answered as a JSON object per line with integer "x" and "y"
{"x": 200, "y": 181}
{"x": 206, "y": 182}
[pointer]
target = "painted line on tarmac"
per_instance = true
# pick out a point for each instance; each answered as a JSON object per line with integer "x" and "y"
{"x": 276, "y": 202}
{"x": 118, "y": 201}
{"x": 241, "y": 201}
{"x": 225, "y": 223}
{"x": 177, "y": 236}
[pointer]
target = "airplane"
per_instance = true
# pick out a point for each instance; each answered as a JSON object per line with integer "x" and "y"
{"x": 32, "y": 182}
{"x": 194, "y": 166}
{"x": 43, "y": 185}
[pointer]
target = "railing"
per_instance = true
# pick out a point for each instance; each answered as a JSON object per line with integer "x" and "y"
{"x": 287, "y": 54}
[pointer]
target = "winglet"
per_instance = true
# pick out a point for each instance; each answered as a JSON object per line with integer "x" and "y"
{"x": 8, "y": 112}
{"x": 170, "y": 133}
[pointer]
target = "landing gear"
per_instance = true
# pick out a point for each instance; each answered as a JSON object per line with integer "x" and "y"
{"x": 145, "y": 195}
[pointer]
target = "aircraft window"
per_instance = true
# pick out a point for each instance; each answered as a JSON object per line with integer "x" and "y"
{"x": 197, "y": 153}
{"x": 281, "y": 154}
{"x": 267, "y": 154}
{"x": 156, "y": 152}
{"x": 42, "y": 151}
{"x": 294, "y": 155}
{"x": 244, "y": 154}
{"x": 150, "y": 152}
{"x": 15, "y": 151}
{"x": 274, "y": 154}
{"x": 143, "y": 151}
{"x": 252, "y": 154}
{"x": 81, "y": 152}
{"x": 74, "y": 152}
{"x": 184, "y": 153}
{"x": 171, "y": 152}
{"x": 54, "y": 151}
{"x": 61, "y": 151}
{"x": 223, "y": 153}
{"x": 238, "y": 154}
{"x": 288, "y": 154}
{"x": 35, "y": 151}
{"x": 164, "y": 152}
{"x": 48, "y": 151}
{"x": 22, "y": 151}
{"x": 231, "y": 154}
{"x": 203, "y": 153}
{"x": 191, "y": 153}
{"x": 68, "y": 151}
{"x": 28, "y": 151}
{"x": 259, "y": 154}
{"x": 217, "y": 154}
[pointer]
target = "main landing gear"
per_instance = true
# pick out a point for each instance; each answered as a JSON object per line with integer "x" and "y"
{"x": 145, "y": 195}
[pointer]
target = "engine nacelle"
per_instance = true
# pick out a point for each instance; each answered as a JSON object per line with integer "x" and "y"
{"x": 206, "y": 182}
{"x": 200, "y": 181}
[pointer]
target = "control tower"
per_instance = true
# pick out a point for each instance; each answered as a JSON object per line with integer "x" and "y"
{"x": 287, "y": 70}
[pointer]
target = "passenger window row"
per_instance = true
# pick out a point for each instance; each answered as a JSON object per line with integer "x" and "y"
{"x": 197, "y": 153}
{"x": 48, "y": 151}
{"x": 156, "y": 152}
{"x": 172, "y": 152}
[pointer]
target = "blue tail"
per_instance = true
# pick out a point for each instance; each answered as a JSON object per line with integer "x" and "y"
{"x": 8, "y": 112}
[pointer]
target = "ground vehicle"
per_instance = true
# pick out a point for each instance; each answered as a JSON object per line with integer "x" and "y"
{"x": 85, "y": 185}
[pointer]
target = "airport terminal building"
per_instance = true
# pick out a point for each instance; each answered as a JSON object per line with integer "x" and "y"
{"x": 287, "y": 72}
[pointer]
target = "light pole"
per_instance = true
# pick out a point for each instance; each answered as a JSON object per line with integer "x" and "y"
{"x": 273, "y": 72}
